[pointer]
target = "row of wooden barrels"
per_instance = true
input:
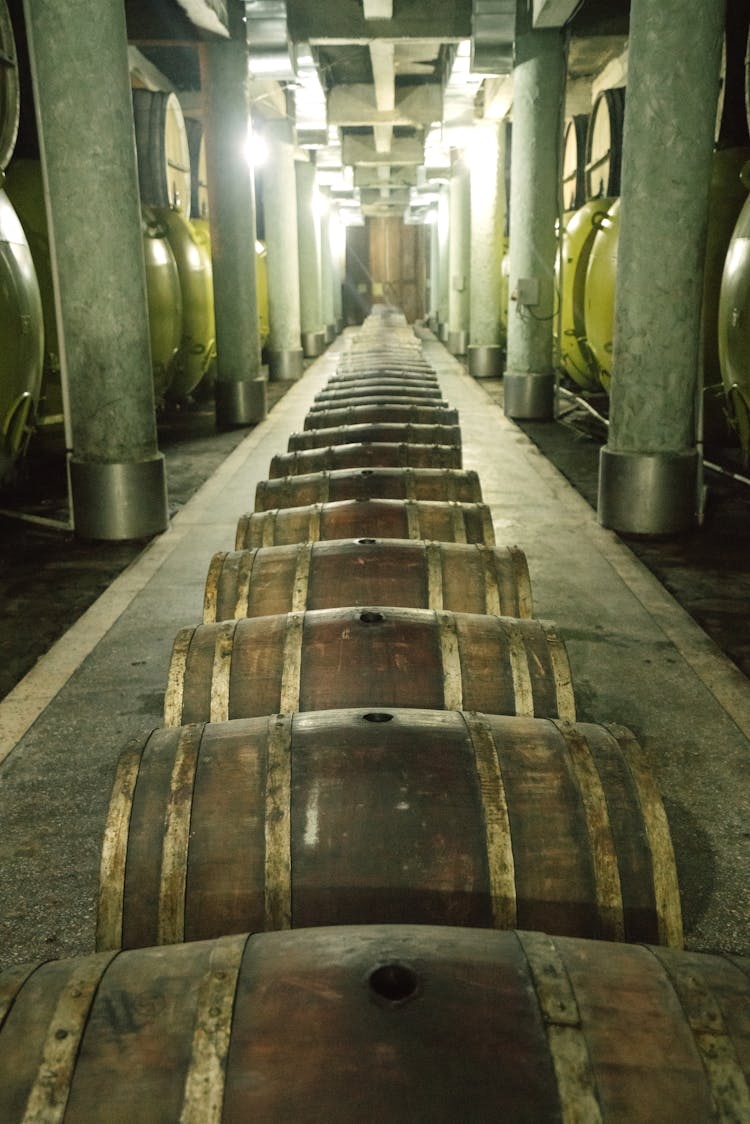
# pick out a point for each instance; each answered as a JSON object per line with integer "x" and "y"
{"x": 370, "y": 762}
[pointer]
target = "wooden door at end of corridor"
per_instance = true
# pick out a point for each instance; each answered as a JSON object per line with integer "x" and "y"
{"x": 385, "y": 264}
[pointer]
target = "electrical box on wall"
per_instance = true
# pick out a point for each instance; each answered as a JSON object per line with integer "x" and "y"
{"x": 527, "y": 290}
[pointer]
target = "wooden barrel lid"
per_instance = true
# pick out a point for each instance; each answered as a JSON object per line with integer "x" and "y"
{"x": 604, "y": 144}
{"x": 574, "y": 162}
{"x": 10, "y": 90}
{"x": 163, "y": 151}
{"x": 199, "y": 177}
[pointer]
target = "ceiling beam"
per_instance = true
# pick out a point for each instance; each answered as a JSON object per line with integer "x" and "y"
{"x": 383, "y": 62}
{"x": 553, "y": 13}
{"x": 344, "y": 22}
{"x": 383, "y": 135}
{"x": 412, "y": 105}
{"x": 378, "y": 9}
{"x": 365, "y": 176}
{"x": 361, "y": 150}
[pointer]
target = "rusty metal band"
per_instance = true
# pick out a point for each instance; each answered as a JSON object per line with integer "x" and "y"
{"x": 726, "y": 1080}
{"x": 243, "y": 525}
{"x": 656, "y": 826}
{"x": 458, "y": 519}
{"x": 48, "y": 1097}
{"x": 176, "y": 837}
{"x": 268, "y": 527}
{"x": 403, "y": 452}
{"x": 488, "y": 528}
{"x": 434, "y": 562}
{"x": 203, "y": 1094}
{"x": 115, "y": 847}
{"x": 244, "y": 576}
{"x": 413, "y": 528}
{"x": 313, "y": 525}
{"x": 410, "y": 487}
{"x": 523, "y": 693}
{"x": 291, "y": 663}
{"x": 211, "y": 590}
{"x": 522, "y": 577}
{"x": 301, "y": 577}
{"x": 278, "y": 810}
{"x": 566, "y": 703}
{"x": 220, "y": 670}
{"x": 602, "y": 848}
{"x": 174, "y": 693}
{"x": 493, "y": 604}
{"x": 450, "y": 656}
{"x": 324, "y": 487}
{"x": 499, "y": 845}
{"x": 12, "y": 980}
{"x": 576, "y": 1083}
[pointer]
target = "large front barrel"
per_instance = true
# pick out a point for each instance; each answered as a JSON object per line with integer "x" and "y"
{"x": 325, "y": 659}
{"x": 375, "y": 1023}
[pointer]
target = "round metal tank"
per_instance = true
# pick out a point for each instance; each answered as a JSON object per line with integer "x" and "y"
{"x": 21, "y": 337}
{"x": 197, "y": 350}
{"x": 261, "y": 285}
{"x": 599, "y": 299}
{"x": 164, "y": 301}
{"x": 577, "y": 241}
{"x": 734, "y": 324}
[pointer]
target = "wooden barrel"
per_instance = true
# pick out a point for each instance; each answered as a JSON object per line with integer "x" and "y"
{"x": 452, "y": 819}
{"x": 358, "y": 415}
{"x": 381, "y": 390}
{"x": 379, "y": 1023}
{"x": 163, "y": 150}
{"x": 436, "y": 520}
{"x": 375, "y": 657}
{"x": 395, "y": 381}
{"x": 374, "y": 401}
{"x": 450, "y": 484}
{"x": 429, "y": 380}
{"x": 376, "y": 433}
{"x": 461, "y": 577}
{"x": 385, "y": 455}
{"x": 199, "y": 208}
{"x": 10, "y": 89}
{"x": 574, "y": 162}
{"x": 604, "y": 144}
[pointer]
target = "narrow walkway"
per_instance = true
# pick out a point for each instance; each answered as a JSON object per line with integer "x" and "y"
{"x": 637, "y": 659}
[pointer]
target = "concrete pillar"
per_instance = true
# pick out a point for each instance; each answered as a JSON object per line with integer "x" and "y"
{"x": 308, "y": 236}
{"x": 280, "y": 209}
{"x": 326, "y": 270}
{"x": 649, "y": 471}
{"x": 85, "y": 120}
{"x": 459, "y": 258}
{"x": 434, "y": 288}
{"x": 443, "y": 286}
{"x": 240, "y": 391}
{"x": 538, "y": 101}
{"x": 486, "y": 168}
{"x": 338, "y": 250}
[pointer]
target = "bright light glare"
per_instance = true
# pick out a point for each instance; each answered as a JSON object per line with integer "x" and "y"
{"x": 256, "y": 148}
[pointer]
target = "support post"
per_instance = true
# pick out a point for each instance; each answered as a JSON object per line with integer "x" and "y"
{"x": 326, "y": 269}
{"x": 443, "y": 282}
{"x": 280, "y": 208}
{"x": 650, "y": 469}
{"x": 486, "y": 164}
{"x": 86, "y": 133}
{"x": 240, "y": 389}
{"x": 308, "y": 235}
{"x": 458, "y": 258}
{"x": 538, "y": 102}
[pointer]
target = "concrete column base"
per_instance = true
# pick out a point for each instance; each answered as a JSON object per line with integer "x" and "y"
{"x": 648, "y": 493}
{"x": 240, "y": 403}
{"x": 119, "y": 501}
{"x": 442, "y": 333}
{"x": 458, "y": 341}
{"x": 486, "y": 362}
{"x": 340, "y": 325}
{"x": 285, "y": 366}
{"x": 529, "y": 395}
{"x": 313, "y": 344}
{"x": 330, "y": 333}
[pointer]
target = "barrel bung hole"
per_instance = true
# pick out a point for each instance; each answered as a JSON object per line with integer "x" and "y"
{"x": 366, "y": 542}
{"x": 366, "y": 472}
{"x": 369, "y": 617}
{"x": 394, "y": 982}
{"x": 377, "y": 716}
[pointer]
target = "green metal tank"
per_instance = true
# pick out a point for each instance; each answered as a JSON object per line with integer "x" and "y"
{"x": 599, "y": 297}
{"x": 579, "y": 233}
{"x": 734, "y": 323}
{"x": 164, "y": 301}
{"x": 197, "y": 350}
{"x": 21, "y": 337}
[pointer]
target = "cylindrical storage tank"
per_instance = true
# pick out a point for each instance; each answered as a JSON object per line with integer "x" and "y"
{"x": 599, "y": 300}
{"x": 734, "y": 326}
{"x": 376, "y": 433}
{"x": 380, "y": 1022}
{"x": 261, "y": 290}
{"x": 198, "y": 344}
{"x": 393, "y": 392}
{"x": 386, "y": 519}
{"x": 21, "y": 337}
{"x": 460, "y": 577}
{"x": 372, "y": 401}
{"x": 163, "y": 151}
{"x": 164, "y": 301}
{"x": 604, "y": 144}
{"x": 574, "y": 162}
{"x": 10, "y": 89}
{"x": 325, "y": 659}
{"x": 448, "y": 819}
{"x": 447, "y": 484}
{"x": 575, "y": 250}
{"x": 365, "y": 456}
{"x": 358, "y": 415}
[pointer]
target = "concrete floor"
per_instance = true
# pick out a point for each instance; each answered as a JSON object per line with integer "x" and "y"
{"x": 637, "y": 659}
